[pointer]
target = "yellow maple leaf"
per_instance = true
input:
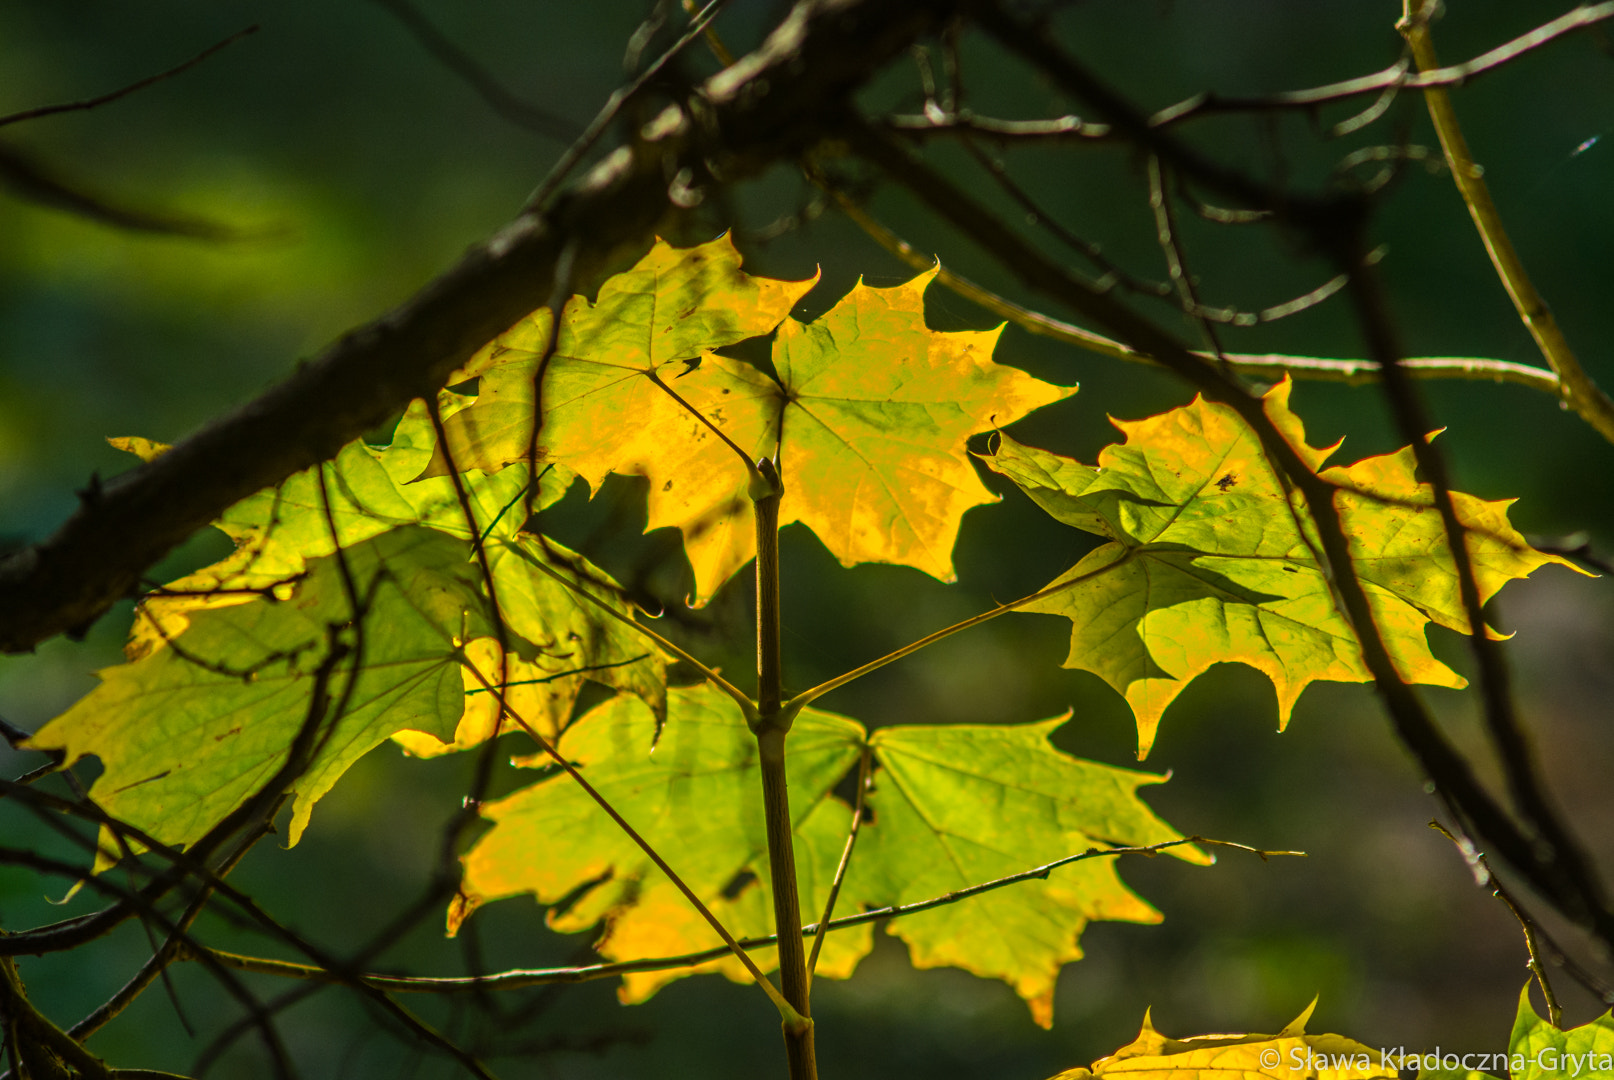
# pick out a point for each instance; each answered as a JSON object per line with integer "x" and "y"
{"x": 1291, "y": 1054}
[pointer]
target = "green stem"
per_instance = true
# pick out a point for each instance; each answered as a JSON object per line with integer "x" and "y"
{"x": 772, "y": 725}
{"x": 806, "y": 697}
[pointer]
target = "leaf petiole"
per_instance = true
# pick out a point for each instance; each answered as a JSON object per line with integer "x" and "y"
{"x": 807, "y": 697}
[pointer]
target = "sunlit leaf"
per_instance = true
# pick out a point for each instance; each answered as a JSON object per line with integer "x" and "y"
{"x": 371, "y": 491}
{"x": 186, "y": 734}
{"x": 1291, "y": 1054}
{"x": 869, "y": 413}
{"x": 1538, "y": 1051}
{"x": 603, "y": 409}
{"x": 956, "y": 805}
{"x": 1212, "y": 559}
{"x": 952, "y": 806}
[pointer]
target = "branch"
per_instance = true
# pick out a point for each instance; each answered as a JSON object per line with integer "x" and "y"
{"x": 489, "y": 89}
{"x": 524, "y": 977}
{"x": 1394, "y": 77}
{"x": 1578, "y": 391}
{"x": 1271, "y": 366}
{"x": 32, "y": 182}
{"x": 105, "y": 99}
{"x": 768, "y": 107}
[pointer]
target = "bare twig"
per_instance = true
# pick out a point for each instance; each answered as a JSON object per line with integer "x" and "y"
{"x": 521, "y": 978}
{"x": 1577, "y": 388}
{"x": 497, "y": 96}
{"x": 963, "y": 121}
{"x": 1536, "y": 939}
{"x": 134, "y": 87}
{"x": 1261, "y": 366}
{"x": 864, "y": 758}
{"x": 27, "y": 179}
{"x": 1394, "y": 77}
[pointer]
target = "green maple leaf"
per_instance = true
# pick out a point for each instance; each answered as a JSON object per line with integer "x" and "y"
{"x": 1213, "y": 560}
{"x": 952, "y": 807}
{"x": 189, "y": 731}
{"x": 868, "y": 415}
{"x": 561, "y": 642}
{"x": 1538, "y": 1050}
{"x": 277, "y": 531}
{"x": 960, "y": 804}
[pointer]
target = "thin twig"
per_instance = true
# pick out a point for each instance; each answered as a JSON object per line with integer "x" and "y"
{"x": 1394, "y": 77}
{"x": 619, "y": 97}
{"x": 1262, "y": 366}
{"x": 1576, "y": 387}
{"x": 1534, "y": 936}
{"x": 521, "y": 978}
{"x": 497, "y": 96}
{"x": 134, "y": 87}
{"x": 826, "y": 919}
{"x": 712, "y": 920}
{"x": 27, "y": 179}
{"x": 807, "y": 697}
{"x": 963, "y": 121}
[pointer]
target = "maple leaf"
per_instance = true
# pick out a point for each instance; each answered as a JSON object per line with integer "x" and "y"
{"x": 1538, "y": 1050}
{"x": 190, "y": 731}
{"x": 1291, "y": 1054}
{"x": 559, "y": 643}
{"x": 868, "y": 415}
{"x": 1212, "y": 559}
{"x": 952, "y": 806}
{"x": 278, "y": 530}
{"x": 603, "y": 409}
{"x": 562, "y": 641}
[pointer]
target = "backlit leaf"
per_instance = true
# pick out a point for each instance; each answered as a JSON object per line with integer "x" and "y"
{"x": 1212, "y": 560}
{"x": 603, "y": 412}
{"x": 960, "y": 804}
{"x": 952, "y": 807}
{"x": 278, "y": 530}
{"x": 1538, "y": 1051}
{"x": 869, "y": 413}
{"x": 1291, "y": 1054}
{"x": 187, "y": 733}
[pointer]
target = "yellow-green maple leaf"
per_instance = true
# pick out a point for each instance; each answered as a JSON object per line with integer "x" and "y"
{"x": 952, "y": 806}
{"x": 603, "y": 411}
{"x": 561, "y": 640}
{"x": 1291, "y": 1054}
{"x": 1213, "y": 560}
{"x": 1539, "y": 1051}
{"x": 190, "y": 731}
{"x": 869, "y": 414}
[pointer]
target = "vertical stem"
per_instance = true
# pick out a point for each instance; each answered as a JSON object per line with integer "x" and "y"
{"x": 771, "y": 729}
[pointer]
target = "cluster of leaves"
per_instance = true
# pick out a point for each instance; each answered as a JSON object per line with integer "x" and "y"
{"x": 404, "y": 593}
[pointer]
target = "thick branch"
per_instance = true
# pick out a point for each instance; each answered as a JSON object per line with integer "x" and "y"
{"x": 767, "y": 107}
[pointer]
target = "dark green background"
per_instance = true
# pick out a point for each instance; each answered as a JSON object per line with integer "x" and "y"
{"x": 376, "y": 167}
